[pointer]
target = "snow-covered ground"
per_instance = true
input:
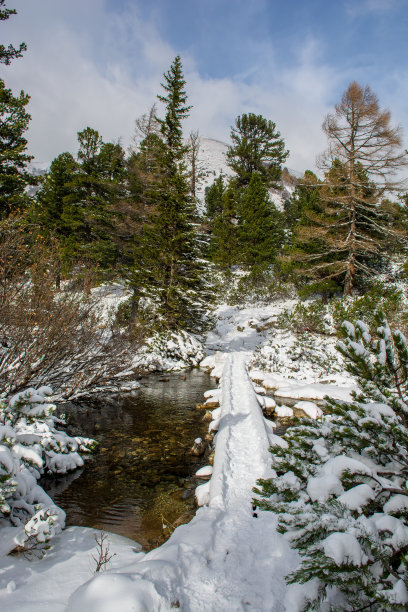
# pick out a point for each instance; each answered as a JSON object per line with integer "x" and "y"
{"x": 227, "y": 557}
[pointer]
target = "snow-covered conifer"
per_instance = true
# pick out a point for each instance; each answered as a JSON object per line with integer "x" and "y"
{"x": 340, "y": 485}
{"x": 30, "y": 445}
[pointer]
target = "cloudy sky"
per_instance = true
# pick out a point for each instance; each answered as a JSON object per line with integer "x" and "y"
{"x": 100, "y": 63}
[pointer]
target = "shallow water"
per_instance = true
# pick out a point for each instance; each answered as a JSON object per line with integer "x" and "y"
{"x": 140, "y": 478}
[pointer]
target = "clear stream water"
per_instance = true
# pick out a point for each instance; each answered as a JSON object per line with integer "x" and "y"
{"x": 141, "y": 476}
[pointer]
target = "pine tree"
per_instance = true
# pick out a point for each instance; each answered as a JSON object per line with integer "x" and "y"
{"x": 89, "y": 204}
{"x": 213, "y": 197}
{"x": 224, "y": 239}
{"x": 323, "y": 238}
{"x": 257, "y": 147}
{"x": 165, "y": 266}
{"x": 260, "y": 229}
{"x": 14, "y": 176}
{"x": 9, "y": 53}
{"x": 339, "y": 488}
{"x": 49, "y": 211}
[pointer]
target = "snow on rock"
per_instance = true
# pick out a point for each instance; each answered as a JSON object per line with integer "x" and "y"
{"x": 207, "y": 470}
{"x": 215, "y": 364}
{"x": 313, "y": 392}
{"x": 284, "y": 411}
{"x": 114, "y": 592}
{"x": 202, "y": 494}
{"x": 265, "y": 401}
{"x": 309, "y": 408}
{"x": 212, "y": 162}
{"x": 212, "y": 394}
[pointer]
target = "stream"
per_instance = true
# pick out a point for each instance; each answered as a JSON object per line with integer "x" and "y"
{"x": 140, "y": 481}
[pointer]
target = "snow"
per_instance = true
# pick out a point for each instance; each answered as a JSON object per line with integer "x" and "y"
{"x": 212, "y": 162}
{"x": 357, "y": 497}
{"x": 228, "y": 557}
{"x": 396, "y": 503}
{"x": 343, "y": 548}
{"x": 313, "y": 392}
{"x": 207, "y": 470}
{"x": 398, "y": 532}
{"x": 45, "y": 585}
{"x": 310, "y": 409}
{"x": 202, "y": 494}
{"x": 167, "y": 352}
{"x": 284, "y": 411}
{"x": 320, "y": 488}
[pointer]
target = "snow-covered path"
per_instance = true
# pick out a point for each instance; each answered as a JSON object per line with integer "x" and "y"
{"x": 225, "y": 558}
{"x": 240, "y": 573}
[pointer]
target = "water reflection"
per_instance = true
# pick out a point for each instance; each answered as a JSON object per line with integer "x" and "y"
{"x": 137, "y": 479}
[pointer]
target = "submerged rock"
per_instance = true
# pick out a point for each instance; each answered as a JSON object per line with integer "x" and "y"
{"x": 199, "y": 447}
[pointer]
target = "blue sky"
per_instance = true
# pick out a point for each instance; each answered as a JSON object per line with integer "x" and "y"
{"x": 100, "y": 63}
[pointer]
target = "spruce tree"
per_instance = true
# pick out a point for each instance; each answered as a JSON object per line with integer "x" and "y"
{"x": 224, "y": 243}
{"x": 89, "y": 206}
{"x": 50, "y": 213}
{"x": 339, "y": 485}
{"x": 260, "y": 229}
{"x": 14, "y": 176}
{"x": 165, "y": 265}
{"x": 257, "y": 147}
{"x": 213, "y": 197}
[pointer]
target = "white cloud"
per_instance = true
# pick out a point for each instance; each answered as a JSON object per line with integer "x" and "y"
{"x": 366, "y": 7}
{"x": 85, "y": 66}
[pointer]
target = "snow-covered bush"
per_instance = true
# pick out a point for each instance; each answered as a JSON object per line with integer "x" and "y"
{"x": 307, "y": 357}
{"x": 30, "y": 445}
{"x": 169, "y": 351}
{"x": 340, "y": 485}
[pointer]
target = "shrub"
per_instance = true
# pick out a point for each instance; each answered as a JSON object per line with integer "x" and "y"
{"x": 339, "y": 488}
{"x": 30, "y": 445}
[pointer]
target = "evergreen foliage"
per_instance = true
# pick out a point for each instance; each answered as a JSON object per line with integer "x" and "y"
{"x": 213, "y": 197}
{"x": 10, "y": 52}
{"x": 224, "y": 245}
{"x": 76, "y": 203}
{"x": 305, "y": 199}
{"x": 14, "y": 176}
{"x": 260, "y": 225}
{"x": 51, "y": 203}
{"x": 339, "y": 485}
{"x": 30, "y": 445}
{"x": 165, "y": 266}
{"x": 257, "y": 147}
{"x": 321, "y": 240}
